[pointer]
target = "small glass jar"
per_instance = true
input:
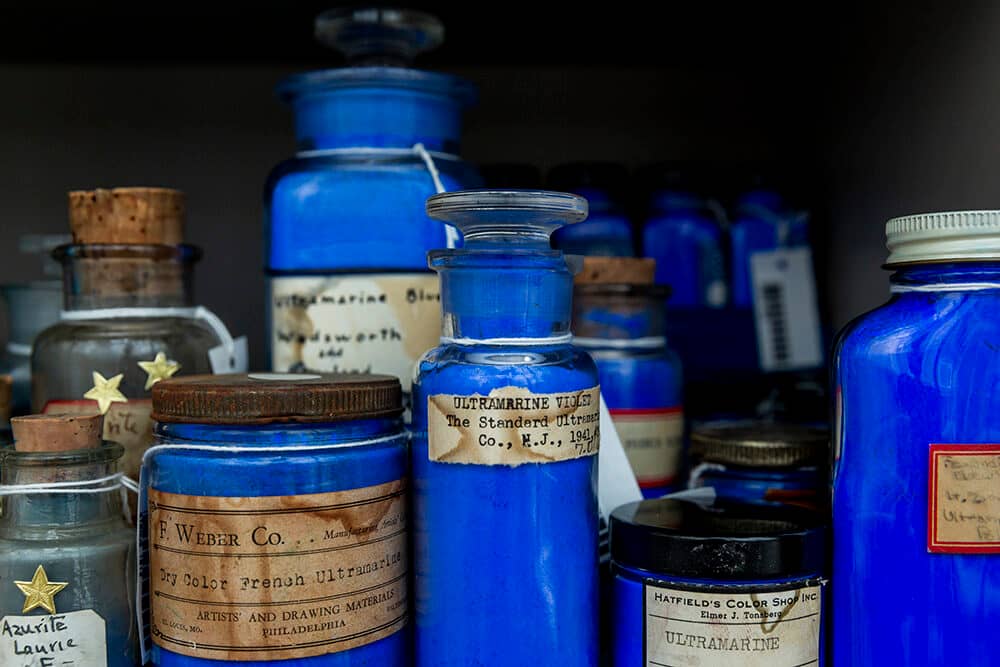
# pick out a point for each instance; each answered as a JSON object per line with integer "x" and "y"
{"x": 718, "y": 585}
{"x": 607, "y": 230}
{"x": 76, "y": 542}
{"x": 290, "y": 491}
{"x": 506, "y": 432}
{"x": 622, "y": 327}
{"x": 762, "y": 462}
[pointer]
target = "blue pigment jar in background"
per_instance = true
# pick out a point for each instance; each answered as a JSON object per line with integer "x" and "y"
{"x": 618, "y": 317}
{"x": 916, "y": 457}
{"x": 346, "y": 231}
{"x": 504, "y": 455}
{"x": 717, "y": 586}
{"x": 277, "y": 522}
{"x": 762, "y": 462}
{"x": 607, "y": 230}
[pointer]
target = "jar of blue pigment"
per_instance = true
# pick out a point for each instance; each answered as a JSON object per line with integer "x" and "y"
{"x": 916, "y": 505}
{"x": 762, "y": 462}
{"x": 276, "y": 522}
{"x": 618, "y": 317}
{"x": 506, "y": 434}
{"x": 717, "y": 585}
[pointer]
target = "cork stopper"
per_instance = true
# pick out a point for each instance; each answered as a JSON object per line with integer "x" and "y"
{"x": 57, "y": 433}
{"x": 6, "y": 396}
{"x": 127, "y": 216}
{"x": 616, "y": 270}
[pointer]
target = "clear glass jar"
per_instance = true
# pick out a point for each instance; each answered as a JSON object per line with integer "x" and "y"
{"x": 31, "y": 308}
{"x": 80, "y": 539}
{"x": 345, "y": 224}
{"x": 97, "y": 279}
{"x": 504, "y": 450}
{"x": 622, "y": 327}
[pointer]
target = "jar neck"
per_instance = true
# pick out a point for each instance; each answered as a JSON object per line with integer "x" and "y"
{"x": 618, "y": 316}
{"x": 950, "y": 276}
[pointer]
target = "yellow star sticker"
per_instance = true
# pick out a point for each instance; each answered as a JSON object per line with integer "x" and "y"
{"x": 158, "y": 369}
{"x": 105, "y": 392}
{"x": 40, "y": 592}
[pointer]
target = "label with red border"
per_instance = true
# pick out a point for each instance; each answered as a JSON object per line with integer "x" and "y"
{"x": 963, "y": 508}
{"x": 653, "y": 439}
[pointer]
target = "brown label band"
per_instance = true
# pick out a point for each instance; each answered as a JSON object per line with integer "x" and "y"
{"x": 512, "y": 426}
{"x": 964, "y": 499}
{"x": 277, "y": 577}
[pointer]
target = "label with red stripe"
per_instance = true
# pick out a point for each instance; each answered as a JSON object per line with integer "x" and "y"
{"x": 653, "y": 439}
{"x": 963, "y": 508}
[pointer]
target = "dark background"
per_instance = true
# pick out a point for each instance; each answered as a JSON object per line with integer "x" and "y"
{"x": 876, "y": 110}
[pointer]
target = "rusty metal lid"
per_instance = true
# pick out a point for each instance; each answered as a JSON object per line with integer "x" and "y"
{"x": 265, "y": 398}
{"x": 760, "y": 444}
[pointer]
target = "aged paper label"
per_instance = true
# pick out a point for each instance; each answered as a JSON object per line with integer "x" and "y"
{"x": 277, "y": 577}
{"x": 653, "y": 440}
{"x": 377, "y": 323}
{"x": 763, "y": 629}
{"x": 964, "y": 499}
{"x": 129, "y": 424}
{"x": 76, "y": 639}
{"x": 512, "y": 426}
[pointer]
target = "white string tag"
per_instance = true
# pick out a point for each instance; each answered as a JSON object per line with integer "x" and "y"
{"x": 616, "y": 483}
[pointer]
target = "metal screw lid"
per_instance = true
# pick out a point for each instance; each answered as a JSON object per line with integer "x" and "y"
{"x": 941, "y": 237}
{"x": 760, "y": 444}
{"x": 265, "y": 398}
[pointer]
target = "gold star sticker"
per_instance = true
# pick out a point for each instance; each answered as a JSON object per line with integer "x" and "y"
{"x": 105, "y": 392}
{"x": 158, "y": 369}
{"x": 40, "y": 592}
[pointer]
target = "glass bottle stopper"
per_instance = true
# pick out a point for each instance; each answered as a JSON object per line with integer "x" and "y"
{"x": 379, "y": 36}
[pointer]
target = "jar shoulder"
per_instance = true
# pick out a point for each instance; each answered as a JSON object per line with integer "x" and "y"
{"x": 470, "y": 368}
{"x": 156, "y": 328}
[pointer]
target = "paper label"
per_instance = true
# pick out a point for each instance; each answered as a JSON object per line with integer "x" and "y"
{"x": 512, "y": 426}
{"x": 785, "y": 309}
{"x": 129, "y": 424}
{"x": 377, "y": 323}
{"x": 653, "y": 440}
{"x": 616, "y": 485}
{"x": 964, "y": 499}
{"x": 760, "y": 629}
{"x": 76, "y": 639}
{"x": 230, "y": 359}
{"x": 277, "y": 577}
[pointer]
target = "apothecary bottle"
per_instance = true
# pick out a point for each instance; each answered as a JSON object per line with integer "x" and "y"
{"x": 917, "y": 453}
{"x": 618, "y": 317}
{"x": 347, "y": 236}
{"x": 67, "y": 553}
{"x": 607, "y": 230}
{"x": 506, "y": 433}
{"x": 277, "y": 502}
{"x": 129, "y": 319}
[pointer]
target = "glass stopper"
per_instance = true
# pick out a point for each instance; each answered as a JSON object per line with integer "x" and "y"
{"x": 379, "y": 36}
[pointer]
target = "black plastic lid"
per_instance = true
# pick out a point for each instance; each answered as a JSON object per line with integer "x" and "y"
{"x": 725, "y": 541}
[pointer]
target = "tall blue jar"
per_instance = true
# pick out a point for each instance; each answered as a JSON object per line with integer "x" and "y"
{"x": 506, "y": 432}
{"x": 276, "y": 522}
{"x": 618, "y": 317}
{"x": 718, "y": 585}
{"x": 607, "y": 230}
{"x": 915, "y": 501}
{"x": 347, "y": 237}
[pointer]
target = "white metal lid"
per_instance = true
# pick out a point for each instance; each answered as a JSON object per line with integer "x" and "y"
{"x": 940, "y": 237}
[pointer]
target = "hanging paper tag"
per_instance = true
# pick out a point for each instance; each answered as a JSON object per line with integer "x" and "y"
{"x": 785, "y": 309}
{"x": 616, "y": 483}
{"x": 230, "y": 359}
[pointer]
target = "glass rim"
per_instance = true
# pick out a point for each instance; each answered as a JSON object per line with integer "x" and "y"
{"x": 108, "y": 452}
{"x": 182, "y": 252}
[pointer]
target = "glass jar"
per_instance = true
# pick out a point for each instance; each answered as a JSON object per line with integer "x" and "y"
{"x": 346, "y": 228}
{"x": 915, "y": 504}
{"x": 607, "y": 231}
{"x": 291, "y": 489}
{"x": 762, "y": 462}
{"x": 719, "y": 585}
{"x": 622, "y": 327}
{"x": 104, "y": 357}
{"x": 506, "y": 432}
{"x": 77, "y": 542}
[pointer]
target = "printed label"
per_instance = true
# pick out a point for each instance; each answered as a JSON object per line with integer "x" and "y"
{"x": 277, "y": 577}
{"x": 76, "y": 639}
{"x": 379, "y": 323}
{"x": 653, "y": 440}
{"x": 762, "y": 629}
{"x": 512, "y": 426}
{"x": 964, "y": 499}
{"x": 129, "y": 424}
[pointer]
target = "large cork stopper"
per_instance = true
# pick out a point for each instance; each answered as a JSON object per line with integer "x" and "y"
{"x": 616, "y": 271}
{"x": 57, "y": 433}
{"x": 127, "y": 216}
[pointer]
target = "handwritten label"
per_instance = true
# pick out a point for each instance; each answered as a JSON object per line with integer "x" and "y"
{"x": 759, "y": 629}
{"x": 277, "y": 577}
{"x": 653, "y": 440}
{"x": 76, "y": 639}
{"x": 378, "y": 323}
{"x": 512, "y": 426}
{"x": 964, "y": 499}
{"x": 129, "y": 424}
